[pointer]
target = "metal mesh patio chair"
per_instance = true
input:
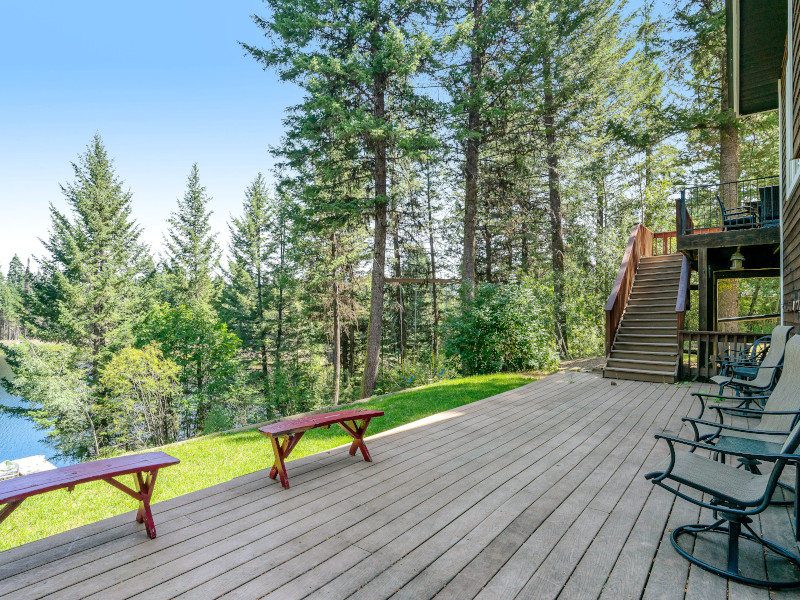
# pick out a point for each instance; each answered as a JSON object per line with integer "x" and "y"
{"x": 738, "y": 217}
{"x": 735, "y": 496}
{"x": 745, "y": 362}
{"x": 779, "y": 416}
{"x": 767, "y": 373}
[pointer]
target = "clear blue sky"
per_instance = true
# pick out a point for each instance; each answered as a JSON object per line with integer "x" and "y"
{"x": 164, "y": 83}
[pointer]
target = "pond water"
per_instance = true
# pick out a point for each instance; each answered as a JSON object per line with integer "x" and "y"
{"x": 18, "y": 437}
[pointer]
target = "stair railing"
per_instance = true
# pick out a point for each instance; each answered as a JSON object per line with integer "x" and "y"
{"x": 682, "y": 302}
{"x": 640, "y": 245}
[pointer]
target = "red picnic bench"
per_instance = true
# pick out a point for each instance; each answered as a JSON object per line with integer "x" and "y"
{"x": 144, "y": 466}
{"x": 354, "y": 422}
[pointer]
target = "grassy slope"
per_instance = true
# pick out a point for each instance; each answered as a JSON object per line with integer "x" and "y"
{"x": 213, "y": 459}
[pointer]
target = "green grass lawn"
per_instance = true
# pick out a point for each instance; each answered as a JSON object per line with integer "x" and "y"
{"x": 213, "y": 459}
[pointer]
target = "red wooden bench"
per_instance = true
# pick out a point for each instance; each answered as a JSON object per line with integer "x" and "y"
{"x": 144, "y": 466}
{"x": 354, "y": 422}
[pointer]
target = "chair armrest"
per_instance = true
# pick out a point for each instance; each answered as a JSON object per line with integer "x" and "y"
{"x": 692, "y": 421}
{"x": 755, "y": 411}
{"x": 737, "y": 398}
{"x": 703, "y": 404}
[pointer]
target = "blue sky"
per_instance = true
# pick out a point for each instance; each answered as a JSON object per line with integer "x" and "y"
{"x": 164, "y": 83}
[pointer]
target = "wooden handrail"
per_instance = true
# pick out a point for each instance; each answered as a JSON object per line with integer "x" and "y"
{"x": 640, "y": 244}
{"x": 668, "y": 242}
{"x": 683, "y": 287}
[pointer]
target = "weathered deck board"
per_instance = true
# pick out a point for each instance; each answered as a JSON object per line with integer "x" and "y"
{"x": 535, "y": 493}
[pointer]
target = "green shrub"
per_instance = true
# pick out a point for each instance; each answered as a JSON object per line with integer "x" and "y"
{"x": 505, "y": 328}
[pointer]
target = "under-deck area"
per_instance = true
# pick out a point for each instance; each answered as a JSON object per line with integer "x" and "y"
{"x": 535, "y": 493}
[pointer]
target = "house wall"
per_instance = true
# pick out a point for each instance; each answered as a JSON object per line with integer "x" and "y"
{"x": 790, "y": 171}
{"x": 791, "y": 258}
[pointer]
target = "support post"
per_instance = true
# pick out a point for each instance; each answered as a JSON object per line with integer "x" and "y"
{"x": 704, "y": 298}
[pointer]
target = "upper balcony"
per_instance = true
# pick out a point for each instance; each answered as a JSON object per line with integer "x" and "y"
{"x": 737, "y": 213}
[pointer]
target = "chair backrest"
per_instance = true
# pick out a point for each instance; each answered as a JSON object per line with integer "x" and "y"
{"x": 789, "y": 447}
{"x": 721, "y": 205}
{"x": 786, "y": 395}
{"x": 777, "y": 346}
{"x": 773, "y": 359}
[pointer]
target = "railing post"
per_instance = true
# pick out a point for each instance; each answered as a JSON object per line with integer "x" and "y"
{"x": 681, "y": 214}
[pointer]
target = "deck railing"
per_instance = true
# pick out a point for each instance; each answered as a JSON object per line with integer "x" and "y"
{"x": 698, "y": 349}
{"x": 744, "y": 204}
{"x": 665, "y": 242}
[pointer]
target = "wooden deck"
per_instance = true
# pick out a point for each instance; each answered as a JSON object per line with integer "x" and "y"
{"x": 535, "y": 493}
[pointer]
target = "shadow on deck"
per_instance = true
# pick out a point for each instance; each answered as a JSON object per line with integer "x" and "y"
{"x": 535, "y": 493}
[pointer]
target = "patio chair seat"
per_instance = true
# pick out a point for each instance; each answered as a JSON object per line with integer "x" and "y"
{"x": 732, "y": 484}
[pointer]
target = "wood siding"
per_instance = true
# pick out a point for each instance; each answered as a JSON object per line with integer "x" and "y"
{"x": 791, "y": 257}
{"x": 796, "y": 80}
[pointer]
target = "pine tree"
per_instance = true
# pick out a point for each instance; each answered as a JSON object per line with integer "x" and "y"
{"x": 87, "y": 293}
{"x": 192, "y": 253}
{"x": 16, "y": 273}
{"x": 247, "y": 298}
{"x": 355, "y": 60}
{"x": 574, "y": 50}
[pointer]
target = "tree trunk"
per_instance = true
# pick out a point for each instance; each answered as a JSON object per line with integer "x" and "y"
{"x": 435, "y": 306}
{"x": 728, "y": 292}
{"x": 524, "y": 251}
{"x": 281, "y": 282}
{"x": 472, "y": 153}
{"x": 487, "y": 238}
{"x": 556, "y": 221}
{"x": 262, "y": 325}
{"x": 379, "y": 251}
{"x": 401, "y": 308}
{"x": 337, "y": 329}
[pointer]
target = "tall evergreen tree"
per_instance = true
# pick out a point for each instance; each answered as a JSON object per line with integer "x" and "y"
{"x": 574, "y": 50}
{"x": 247, "y": 298}
{"x": 192, "y": 253}
{"x": 87, "y": 293}
{"x": 16, "y": 272}
{"x": 355, "y": 60}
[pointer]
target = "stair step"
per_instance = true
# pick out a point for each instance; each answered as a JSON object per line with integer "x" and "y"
{"x": 662, "y": 258}
{"x": 644, "y": 273}
{"x": 644, "y": 347}
{"x": 654, "y": 354}
{"x": 639, "y": 375}
{"x": 645, "y": 329}
{"x": 667, "y": 266}
{"x": 655, "y": 284}
{"x": 644, "y": 294}
{"x": 655, "y": 365}
{"x": 651, "y": 303}
{"x": 642, "y": 320}
{"x": 662, "y": 312}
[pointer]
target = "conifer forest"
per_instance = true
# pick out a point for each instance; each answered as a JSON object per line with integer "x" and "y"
{"x": 452, "y": 196}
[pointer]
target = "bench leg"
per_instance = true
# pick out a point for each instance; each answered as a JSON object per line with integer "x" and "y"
{"x": 145, "y": 487}
{"x": 8, "y": 509}
{"x": 357, "y": 432}
{"x": 281, "y": 450}
{"x": 143, "y": 493}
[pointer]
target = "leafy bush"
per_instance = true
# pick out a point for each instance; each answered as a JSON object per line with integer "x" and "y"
{"x": 505, "y": 328}
{"x": 142, "y": 396}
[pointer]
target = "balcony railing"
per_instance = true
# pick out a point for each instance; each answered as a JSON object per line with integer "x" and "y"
{"x": 746, "y": 204}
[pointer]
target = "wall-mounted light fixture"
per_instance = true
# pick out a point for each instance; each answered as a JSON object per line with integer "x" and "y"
{"x": 737, "y": 260}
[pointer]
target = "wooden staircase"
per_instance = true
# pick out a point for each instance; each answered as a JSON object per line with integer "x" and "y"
{"x": 646, "y": 344}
